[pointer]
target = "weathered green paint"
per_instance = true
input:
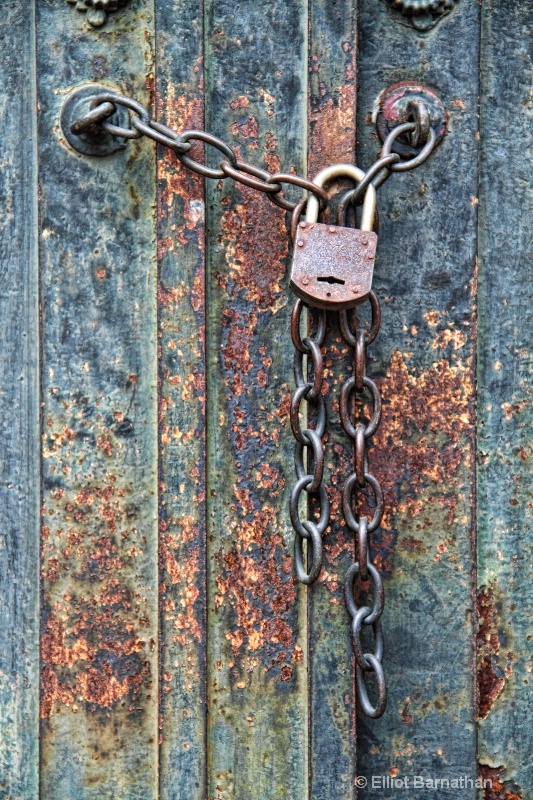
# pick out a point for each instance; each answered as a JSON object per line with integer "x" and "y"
{"x": 256, "y": 79}
{"x": 99, "y": 440}
{"x": 181, "y": 413}
{"x": 424, "y": 454}
{"x": 19, "y": 412}
{"x": 505, "y": 491}
{"x": 332, "y": 113}
{"x": 276, "y": 671}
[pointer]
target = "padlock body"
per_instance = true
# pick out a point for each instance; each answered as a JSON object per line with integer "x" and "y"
{"x": 332, "y": 266}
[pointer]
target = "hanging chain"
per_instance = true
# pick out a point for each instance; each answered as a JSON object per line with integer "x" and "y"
{"x": 360, "y": 482}
{"x": 308, "y": 362}
{"x": 308, "y": 446}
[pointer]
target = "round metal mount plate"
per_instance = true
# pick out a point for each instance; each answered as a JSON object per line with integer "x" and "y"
{"x": 94, "y": 142}
{"x": 390, "y": 110}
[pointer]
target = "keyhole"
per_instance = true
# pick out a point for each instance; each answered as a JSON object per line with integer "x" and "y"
{"x": 331, "y": 279}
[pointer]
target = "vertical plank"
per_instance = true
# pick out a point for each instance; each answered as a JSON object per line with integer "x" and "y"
{"x": 182, "y": 411}
{"x": 332, "y": 112}
{"x": 257, "y": 696}
{"x": 505, "y": 489}
{"x": 19, "y": 411}
{"x": 99, "y": 535}
{"x": 425, "y": 451}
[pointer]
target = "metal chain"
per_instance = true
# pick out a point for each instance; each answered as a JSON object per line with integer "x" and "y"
{"x": 360, "y": 482}
{"x": 104, "y": 105}
{"x": 308, "y": 449}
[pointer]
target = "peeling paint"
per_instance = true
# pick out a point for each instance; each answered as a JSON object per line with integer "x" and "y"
{"x": 491, "y": 672}
{"x": 96, "y": 628}
{"x": 182, "y": 408}
{"x": 499, "y": 789}
{"x": 255, "y": 242}
{"x": 255, "y": 578}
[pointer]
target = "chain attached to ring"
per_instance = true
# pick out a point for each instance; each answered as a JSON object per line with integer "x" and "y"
{"x": 105, "y": 104}
{"x": 361, "y": 483}
{"x": 308, "y": 362}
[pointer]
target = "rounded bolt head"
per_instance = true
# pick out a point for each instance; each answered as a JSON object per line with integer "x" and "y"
{"x": 302, "y": 224}
{"x": 370, "y": 256}
{"x": 331, "y": 229}
{"x": 356, "y": 289}
{"x": 300, "y": 243}
{"x": 364, "y": 241}
{"x": 305, "y": 281}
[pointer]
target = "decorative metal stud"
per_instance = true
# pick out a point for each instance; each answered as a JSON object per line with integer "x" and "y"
{"x": 423, "y": 14}
{"x": 97, "y": 10}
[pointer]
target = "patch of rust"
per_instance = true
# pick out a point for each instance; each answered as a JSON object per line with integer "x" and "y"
{"x": 497, "y": 788}
{"x": 256, "y": 247}
{"x": 491, "y": 673}
{"x": 91, "y": 652}
{"x": 95, "y": 640}
{"x": 182, "y": 572}
{"x": 331, "y": 127}
{"x": 176, "y": 183}
{"x": 424, "y": 442}
{"x": 254, "y": 576}
{"x": 182, "y": 399}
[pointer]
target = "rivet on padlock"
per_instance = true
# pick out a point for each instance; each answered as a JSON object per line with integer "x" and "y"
{"x": 333, "y": 266}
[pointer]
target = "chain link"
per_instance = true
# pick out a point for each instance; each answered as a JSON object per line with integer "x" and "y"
{"x": 308, "y": 450}
{"x": 359, "y": 482}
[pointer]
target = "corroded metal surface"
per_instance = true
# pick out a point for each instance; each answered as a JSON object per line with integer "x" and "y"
{"x": 257, "y": 701}
{"x": 182, "y": 402}
{"x": 395, "y": 105}
{"x": 505, "y": 489}
{"x": 99, "y": 490}
{"x": 19, "y": 412}
{"x": 425, "y": 275}
{"x": 278, "y": 684}
{"x": 332, "y": 266}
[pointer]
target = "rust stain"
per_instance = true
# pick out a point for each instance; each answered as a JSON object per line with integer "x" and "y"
{"x": 256, "y": 248}
{"x": 236, "y": 353}
{"x": 255, "y": 578}
{"x": 248, "y": 130}
{"x": 91, "y": 652}
{"x": 255, "y": 588}
{"x": 331, "y": 127}
{"x": 422, "y": 444}
{"x": 184, "y": 573}
{"x": 496, "y": 788}
{"x": 240, "y": 102}
{"x": 182, "y": 399}
{"x": 424, "y": 440}
{"x": 96, "y": 639}
{"x": 177, "y": 182}
{"x": 491, "y": 674}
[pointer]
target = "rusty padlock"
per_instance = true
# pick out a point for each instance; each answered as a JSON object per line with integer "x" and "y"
{"x": 333, "y": 266}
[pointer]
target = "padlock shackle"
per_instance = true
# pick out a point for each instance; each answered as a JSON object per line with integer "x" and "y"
{"x": 344, "y": 171}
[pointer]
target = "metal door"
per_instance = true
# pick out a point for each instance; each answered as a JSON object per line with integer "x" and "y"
{"x": 154, "y": 641}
